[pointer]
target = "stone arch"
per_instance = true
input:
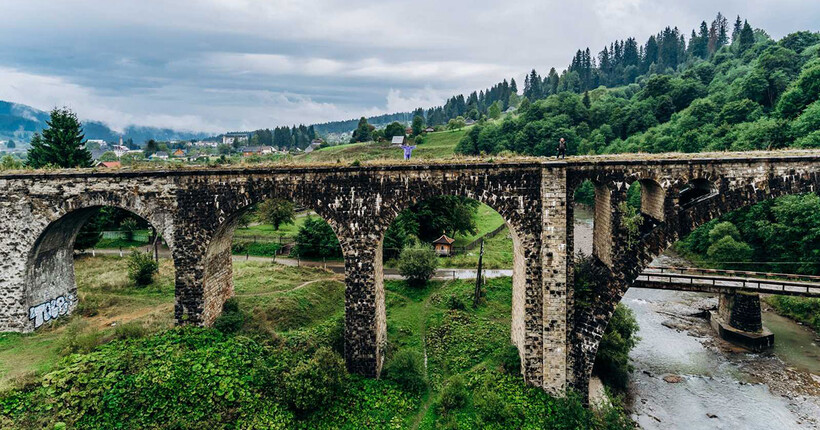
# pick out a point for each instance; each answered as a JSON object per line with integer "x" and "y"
{"x": 217, "y": 258}
{"x": 679, "y": 221}
{"x": 524, "y": 227}
{"x": 50, "y": 289}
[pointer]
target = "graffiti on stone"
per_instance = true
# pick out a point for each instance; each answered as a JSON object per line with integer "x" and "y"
{"x": 50, "y": 310}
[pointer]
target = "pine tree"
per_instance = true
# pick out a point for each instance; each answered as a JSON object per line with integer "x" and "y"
{"x": 736, "y": 31}
{"x": 722, "y": 25}
{"x": 585, "y": 100}
{"x": 62, "y": 143}
{"x": 747, "y": 37}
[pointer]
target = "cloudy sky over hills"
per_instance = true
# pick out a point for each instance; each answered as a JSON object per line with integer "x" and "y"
{"x": 216, "y": 65}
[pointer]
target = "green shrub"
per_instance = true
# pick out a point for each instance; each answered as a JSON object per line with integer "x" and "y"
{"x": 88, "y": 306}
{"x": 76, "y": 340}
{"x": 141, "y": 268}
{"x": 492, "y": 409}
{"x": 313, "y": 384}
{"x": 510, "y": 360}
{"x": 612, "y": 362}
{"x": 417, "y": 264}
{"x": 232, "y": 318}
{"x": 454, "y": 303}
{"x": 729, "y": 249}
{"x": 453, "y": 394}
{"x": 407, "y": 369}
{"x": 723, "y": 229}
{"x": 130, "y": 330}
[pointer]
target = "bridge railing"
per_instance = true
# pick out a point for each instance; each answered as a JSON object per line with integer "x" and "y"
{"x": 732, "y": 273}
{"x": 770, "y": 286}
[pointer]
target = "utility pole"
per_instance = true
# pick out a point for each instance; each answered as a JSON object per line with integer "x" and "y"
{"x": 477, "y": 294}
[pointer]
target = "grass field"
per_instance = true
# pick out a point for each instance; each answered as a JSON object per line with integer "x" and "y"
{"x": 109, "y": 300}
{"x": 288, "y": 310}
{"x": 440, "y": 144}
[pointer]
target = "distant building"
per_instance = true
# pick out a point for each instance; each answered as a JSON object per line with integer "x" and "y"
{"x": 510, "y": 109}
{"x": 212, "y": 144}
{"x": 316, "y": 144}
{"x": 109, "y": 164}
{"x": 120, "y": 150}
{"x": 429, "y": 130}
{"x": 161, "y": 155}
{"x": 469, "y": 122}
{"x": 443, "y": 245}
{"x": 408, "y": 130}
{"x": 398, "y": 140}
{"x": 230, "y": 138}
{"x": 178, "y": 153}
{"x": 247, "y": 151}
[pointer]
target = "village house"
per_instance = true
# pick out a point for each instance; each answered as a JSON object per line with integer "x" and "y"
{"x": 178, "y": 153}
{"x": 230, "y": 138}
{"x": 443, "y": 246}
{"x": 314, "y": 145}
{"x": 161, "y": 155}
{"x": 429, "y": 130}
{"x": 247, "y": 151}
{"x": 108, "y": 164}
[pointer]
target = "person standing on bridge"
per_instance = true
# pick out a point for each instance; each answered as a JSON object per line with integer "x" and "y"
{"x": 408, "y": 150}
{"x": 562, "y": 148}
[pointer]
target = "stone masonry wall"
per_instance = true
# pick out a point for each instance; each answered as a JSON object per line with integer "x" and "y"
{"x": 196, "y": 211}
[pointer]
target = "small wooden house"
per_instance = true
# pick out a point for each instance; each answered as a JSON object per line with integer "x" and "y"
{"x": 178, "y": 153}
{"x": 443, "y": 246}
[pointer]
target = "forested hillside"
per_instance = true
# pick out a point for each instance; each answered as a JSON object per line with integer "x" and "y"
{"x": 712, "y": 93}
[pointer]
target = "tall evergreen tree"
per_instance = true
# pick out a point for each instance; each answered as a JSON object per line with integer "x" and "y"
{"x": 62, "y": 143}
{"x": 737, "y": 29}
{"x": 747, "y": 37}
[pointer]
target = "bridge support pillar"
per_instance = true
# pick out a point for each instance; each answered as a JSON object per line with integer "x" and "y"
{"x": 738, "y": 320}
{"x": 365, "y": 316}
{"x": 557, "y": 294}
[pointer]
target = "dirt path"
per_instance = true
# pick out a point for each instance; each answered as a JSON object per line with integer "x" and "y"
{"x": 298, "y": 287}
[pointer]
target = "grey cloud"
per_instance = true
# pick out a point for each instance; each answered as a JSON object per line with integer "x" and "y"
{"x": 230, "y": 64}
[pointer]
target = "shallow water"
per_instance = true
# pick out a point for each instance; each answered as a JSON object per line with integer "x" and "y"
{"x": 796, "y": 345}
{"x": 719, "y": 389}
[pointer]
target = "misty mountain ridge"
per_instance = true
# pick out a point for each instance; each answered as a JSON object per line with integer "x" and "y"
{"x": 19, "y": 122}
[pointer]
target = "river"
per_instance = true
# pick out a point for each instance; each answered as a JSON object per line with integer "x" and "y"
{"x": 720, "y": 386}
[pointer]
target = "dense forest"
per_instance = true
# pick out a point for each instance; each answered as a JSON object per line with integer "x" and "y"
{"x": 284, "y": 137}
{"x": 751, "y": 93}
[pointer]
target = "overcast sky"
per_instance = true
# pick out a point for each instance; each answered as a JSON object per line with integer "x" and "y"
{"x": 216, "y": 65}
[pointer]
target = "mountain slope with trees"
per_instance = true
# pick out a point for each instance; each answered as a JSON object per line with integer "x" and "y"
{"x": 752, "y": 93}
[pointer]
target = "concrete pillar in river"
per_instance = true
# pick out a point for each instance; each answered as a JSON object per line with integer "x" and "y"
{"x": 738, "y": 320}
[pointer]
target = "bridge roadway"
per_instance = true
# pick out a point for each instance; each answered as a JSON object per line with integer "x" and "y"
{"x": 727, "y": 281}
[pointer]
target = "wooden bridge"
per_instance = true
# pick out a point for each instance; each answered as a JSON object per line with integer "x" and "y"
{"x": 727, "y": 281}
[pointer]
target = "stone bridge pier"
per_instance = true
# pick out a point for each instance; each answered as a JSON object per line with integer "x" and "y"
{"x": 197, "y": 210}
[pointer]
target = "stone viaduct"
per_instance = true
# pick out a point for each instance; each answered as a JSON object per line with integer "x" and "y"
{"x": 197, "y": 210}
